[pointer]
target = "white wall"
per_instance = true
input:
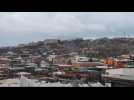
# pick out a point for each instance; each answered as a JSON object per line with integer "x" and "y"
{"x": 121, "y": 71}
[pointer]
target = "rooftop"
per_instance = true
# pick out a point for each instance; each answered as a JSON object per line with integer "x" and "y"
{"x": 119, "y": 77}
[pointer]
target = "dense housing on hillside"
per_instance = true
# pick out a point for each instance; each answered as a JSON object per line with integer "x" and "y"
{"x": 78, "y": 60}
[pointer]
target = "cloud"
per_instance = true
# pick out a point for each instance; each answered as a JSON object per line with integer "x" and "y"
{"x": 18, "y": 27}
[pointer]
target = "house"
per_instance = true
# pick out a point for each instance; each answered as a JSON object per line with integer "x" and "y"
{"x": 4, "y": 65}
{"x": 51, "y": 41}
{"x": 15, "y": 62}
{"x": 62, "y": 59}
{"x": 81, "y": 61}
{"x": 77, "y": 59}
{"x": 50, "y": 58}
{"x": 44, "y": 64}
{"x": 125, "y": 56}
{"x": 115, "y": 62}
{"x": 26, "y": 58}
{"x": 37, "y": 60}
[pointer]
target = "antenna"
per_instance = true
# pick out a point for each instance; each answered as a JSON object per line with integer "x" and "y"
{"x": 126, "y": 35}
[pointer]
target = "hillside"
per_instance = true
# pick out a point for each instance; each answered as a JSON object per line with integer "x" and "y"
{"x": 103, "y": 47}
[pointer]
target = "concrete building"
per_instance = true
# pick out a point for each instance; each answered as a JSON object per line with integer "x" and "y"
{"x": 77, "y": 59}
{"x": 122, "y": 77}
{"x": 4, "y": 65}
{"x": 51, "y": 57}
{"x": 81, "y": 61}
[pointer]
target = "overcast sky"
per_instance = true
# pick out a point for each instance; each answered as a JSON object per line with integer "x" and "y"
{"x": 23, "y": 27}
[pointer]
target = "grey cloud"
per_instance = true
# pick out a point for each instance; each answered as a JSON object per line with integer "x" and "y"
{"x": 39, "y": 25}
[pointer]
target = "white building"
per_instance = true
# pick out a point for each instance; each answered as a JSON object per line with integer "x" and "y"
{"x": 51, "y": 57}
{"x": 44, "y": 64}
{"x": 121, "y": 71}
{"x": 79, "y": 59}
